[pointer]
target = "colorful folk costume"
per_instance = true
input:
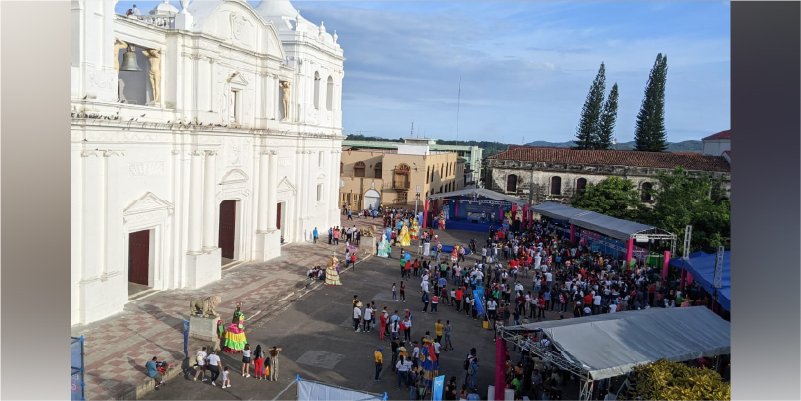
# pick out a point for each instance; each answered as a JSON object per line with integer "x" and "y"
{"x": 331, "y": 273}
{"x": 404, "y": 239}
{"x": 415, "y": 231}
{"x": 455, "y": 254}
{"x": 235, "y": 339}
{"x": 383, "y": 247}
{"x": 442, "y": 220}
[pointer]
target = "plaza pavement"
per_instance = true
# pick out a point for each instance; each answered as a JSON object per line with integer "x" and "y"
{"x": 316, "y": 333}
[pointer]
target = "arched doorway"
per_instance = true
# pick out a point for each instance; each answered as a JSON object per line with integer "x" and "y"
{"x": 511, "y": 183}
{"x": 140, "y": 261}
{"x": 372, "y": 199}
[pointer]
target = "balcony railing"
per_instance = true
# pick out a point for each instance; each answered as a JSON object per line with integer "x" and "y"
{"x": 161, "y": 21}
{"x": 400, "y": 185}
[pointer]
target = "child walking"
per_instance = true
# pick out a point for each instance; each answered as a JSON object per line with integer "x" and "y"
{"x": 394, "y": 292}
{"x": 226, "y": 378}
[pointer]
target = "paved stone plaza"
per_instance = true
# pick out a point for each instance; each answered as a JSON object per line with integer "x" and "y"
{"x": 313, "y": 325}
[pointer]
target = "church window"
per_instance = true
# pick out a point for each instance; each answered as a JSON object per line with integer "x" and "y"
{"x": 358, "y": 169}
{"x": 581, "y": 185}
{"x": 511, "y": 183}
{"x": 556, "y": 185}
{"x": 329, "y": 94}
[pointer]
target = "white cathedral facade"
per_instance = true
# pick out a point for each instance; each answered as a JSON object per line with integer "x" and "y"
{"x": 200, "y": 136}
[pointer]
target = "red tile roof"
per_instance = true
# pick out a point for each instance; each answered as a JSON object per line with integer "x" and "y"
{"x": 720, "y": 135}
{"x": 630, "y": 158}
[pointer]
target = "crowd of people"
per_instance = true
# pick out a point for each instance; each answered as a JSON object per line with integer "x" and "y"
{"x": 516, "y": 277}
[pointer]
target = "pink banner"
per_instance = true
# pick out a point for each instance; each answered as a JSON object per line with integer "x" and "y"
{"x": 500, "y": 375}
{"x": 665, "y": 264}
{"x": 500, "y": 213}
{"x": 629, "y": 253}
{"x": 525, "y": 213}
{"x": 425, "y": 213}
{"x": 514, "y": 210}
{"x": 572, "y": 234}
{"x": 689, "y": 278}
{"x": 455, "y": 209}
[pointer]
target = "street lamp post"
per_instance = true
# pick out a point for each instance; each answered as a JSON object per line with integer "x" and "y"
{"x": 416, "y": 199}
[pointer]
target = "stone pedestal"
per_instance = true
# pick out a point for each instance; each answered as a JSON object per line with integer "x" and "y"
{"x": 268, "y": 245}
{"x": 203, "y": 268}
{"x": 204, "y": 329}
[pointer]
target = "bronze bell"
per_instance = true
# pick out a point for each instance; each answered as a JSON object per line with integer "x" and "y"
{"x": 129, "y": 61}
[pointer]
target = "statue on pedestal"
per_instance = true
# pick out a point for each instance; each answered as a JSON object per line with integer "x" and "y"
{"x": 285, "y": 98}
{"x": 154, "y": 56}
{"x": 204, "y": 306}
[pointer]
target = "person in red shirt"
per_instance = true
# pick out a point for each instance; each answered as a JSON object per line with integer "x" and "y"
{"x": 459, "y": 294}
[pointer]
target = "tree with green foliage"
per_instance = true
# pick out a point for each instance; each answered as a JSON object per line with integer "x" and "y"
{"x": 649, "y": 132}
{"x": 667, "y": 380}
{"x": 607, "y": 122}
{"x": 613, "y": 196}
{"x": 683, "y": 199}
{"x": 588, "y": 130}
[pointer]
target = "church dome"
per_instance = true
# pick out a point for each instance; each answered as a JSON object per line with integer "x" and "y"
{"x": 164, "y": 8}
{"x": 277, "y": 8}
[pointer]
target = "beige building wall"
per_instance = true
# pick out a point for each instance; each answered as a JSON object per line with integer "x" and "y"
{"x": 396, "y": 177}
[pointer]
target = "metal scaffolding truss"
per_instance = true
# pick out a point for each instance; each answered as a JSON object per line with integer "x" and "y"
{"x": 553, "y": 356}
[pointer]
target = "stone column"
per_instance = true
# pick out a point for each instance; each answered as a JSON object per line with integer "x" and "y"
{"x": 115, "y": 232}
{"x": 195, "y": 202}
{"x": 94, "y": 197}
{"x": 209, "y": 204}
{"x": 272, "y": 203}
{"x": 264, "y": 185}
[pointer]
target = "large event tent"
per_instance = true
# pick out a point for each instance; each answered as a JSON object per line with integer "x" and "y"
{"x": 612, "y": 344}
{"x": 702, "y": 266}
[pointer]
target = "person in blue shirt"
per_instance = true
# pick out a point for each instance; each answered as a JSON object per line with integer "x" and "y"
{"x": 152, "y": 371}
{"x": 315, "y": 235}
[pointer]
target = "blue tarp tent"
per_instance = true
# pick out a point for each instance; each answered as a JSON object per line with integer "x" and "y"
{"x": 702, "y": 266}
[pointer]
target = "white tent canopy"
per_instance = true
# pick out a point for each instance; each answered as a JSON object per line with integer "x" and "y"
{"x": 607, "y": 225}
{"x": 609, "y": 345}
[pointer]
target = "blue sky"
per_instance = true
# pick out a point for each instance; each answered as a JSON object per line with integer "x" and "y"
{"x": 525, "y": 66}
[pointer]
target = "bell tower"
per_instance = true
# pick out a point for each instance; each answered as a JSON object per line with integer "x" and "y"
{"x": 93, "y": 72}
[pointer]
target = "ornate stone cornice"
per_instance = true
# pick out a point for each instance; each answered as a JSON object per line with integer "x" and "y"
{"x": 211, "y": 152}
{"x": 196, "y": 153}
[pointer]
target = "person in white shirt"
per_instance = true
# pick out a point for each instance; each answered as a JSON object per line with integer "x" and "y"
{"x": 368, "y": 319}
{"x": 596, "y": 304}
{"x": 200, "y": 358}
{"x": 613, "y": 307}
{"x": 214, "y": 367}
{"x": 357, "y": 317}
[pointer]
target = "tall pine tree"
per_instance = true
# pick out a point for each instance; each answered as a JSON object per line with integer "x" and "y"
{"x": 588, "y": 130}
{"x": 649, "y": 132}
{"x": 607, "y": 122}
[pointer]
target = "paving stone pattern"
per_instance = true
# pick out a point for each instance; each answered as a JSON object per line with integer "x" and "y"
{"x": 116, "y": 348}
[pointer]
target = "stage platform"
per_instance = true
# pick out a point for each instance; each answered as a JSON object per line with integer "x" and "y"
{"x": 465, "y": 225}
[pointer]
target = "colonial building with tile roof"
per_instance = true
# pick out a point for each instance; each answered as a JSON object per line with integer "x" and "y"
{"x": 549, "y": 173}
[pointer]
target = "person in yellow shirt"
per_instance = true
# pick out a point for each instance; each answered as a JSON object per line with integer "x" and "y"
{"x": 439, "y": 330}
{"x": 379, "y": 362}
